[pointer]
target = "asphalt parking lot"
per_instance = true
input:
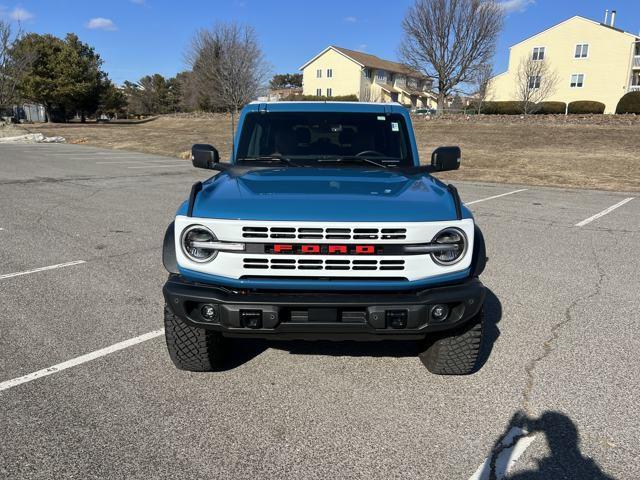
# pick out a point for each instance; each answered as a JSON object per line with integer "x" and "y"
{"x": 556, "y": 398}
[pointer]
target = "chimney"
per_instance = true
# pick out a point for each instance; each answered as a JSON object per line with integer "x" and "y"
{"x": 613, "y": 18}
{"x": 606, "y": 16}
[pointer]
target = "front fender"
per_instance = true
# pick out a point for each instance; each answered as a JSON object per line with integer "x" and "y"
{"x": 169, "y": 250}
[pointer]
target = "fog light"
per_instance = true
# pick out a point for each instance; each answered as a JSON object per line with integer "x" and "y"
{"x": 208, "y": 312}
{"x": 439, "y": 313}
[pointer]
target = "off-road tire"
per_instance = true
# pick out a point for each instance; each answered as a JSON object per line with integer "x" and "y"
{"x": 456, "y": 353}
{"x": 193, "y": 349}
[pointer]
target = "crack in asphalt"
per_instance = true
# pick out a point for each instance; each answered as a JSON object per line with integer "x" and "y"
{"x": 550, "y": 344}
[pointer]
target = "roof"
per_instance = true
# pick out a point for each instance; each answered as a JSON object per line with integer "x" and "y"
{"x": 369, "y": 61}
{"x": 360, "y": 107}
{"x": 573, "y": 18}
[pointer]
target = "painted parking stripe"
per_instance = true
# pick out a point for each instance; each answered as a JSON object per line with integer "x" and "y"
{"x": 603, "y": 213}
{"x": 41, "y": 269}
{"x": 136, "y": 161}
{"x": 79, "y": 360}
{"x": 164, "y": 166}
{"x": 496, "y": 196}
{"x": 508, "y": 451}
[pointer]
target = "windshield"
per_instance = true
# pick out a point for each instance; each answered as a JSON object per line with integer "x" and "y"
{"x": 311, "y": 137}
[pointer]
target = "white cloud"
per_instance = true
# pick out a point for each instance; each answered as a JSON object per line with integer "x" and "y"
{"x": 516, "y": 5}
{"x": 362, "y": 47}
{"x": 100, "y": 23}
{"x": 138, "y": 2}
{"x": 19, "y": 14}
{"x": 350, "y": 19}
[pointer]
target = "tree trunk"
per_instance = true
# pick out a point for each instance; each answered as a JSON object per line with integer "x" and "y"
{"x": 441, "y": 102}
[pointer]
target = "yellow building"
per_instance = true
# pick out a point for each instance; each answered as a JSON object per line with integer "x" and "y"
{"x": 591, "y": 60}
{"x": 338, "y": 71}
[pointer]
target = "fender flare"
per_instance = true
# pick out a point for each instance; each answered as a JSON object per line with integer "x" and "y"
{"x": 479, "y": 259}
{"x": 169, "y": 250}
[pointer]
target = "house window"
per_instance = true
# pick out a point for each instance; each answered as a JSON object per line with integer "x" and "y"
{"x": 534, "y": 81}
{"x": 538, "y": 53}
{"x": 318, "y": 92}
{"x": 329, "y": 92}
{"x": 367, "y": 73}
{"x": 381, "y": 75}
{"x": 582, "y": 50}
{"x": 329, "y": 73}
{"x": 577, "y": 80}
{"x": 319, "y": 73}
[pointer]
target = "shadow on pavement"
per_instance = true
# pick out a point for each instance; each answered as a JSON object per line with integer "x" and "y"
{"x": 565, "y": 461}
{"x": 243, "y": 351}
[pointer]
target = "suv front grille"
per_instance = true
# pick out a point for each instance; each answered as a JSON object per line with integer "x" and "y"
{"x": 321, "y": 264}
{"x": 308, "y": 233}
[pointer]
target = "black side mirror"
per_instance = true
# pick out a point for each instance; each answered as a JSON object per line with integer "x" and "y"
{"x": 446, "y": 158}
{"x": 204, "y": 156}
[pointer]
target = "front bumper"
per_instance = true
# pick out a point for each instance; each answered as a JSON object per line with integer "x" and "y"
{"x": 322, "y": 315}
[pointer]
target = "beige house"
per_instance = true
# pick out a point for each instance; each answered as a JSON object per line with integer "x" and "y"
{"x": 592, "y": 61}
{"x": 338, "y": 71}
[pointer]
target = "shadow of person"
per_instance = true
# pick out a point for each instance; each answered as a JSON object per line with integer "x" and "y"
{"x": 565, "y": 461}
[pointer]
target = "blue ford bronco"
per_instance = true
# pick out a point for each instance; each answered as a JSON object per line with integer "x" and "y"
{"x": 324, "y": 225}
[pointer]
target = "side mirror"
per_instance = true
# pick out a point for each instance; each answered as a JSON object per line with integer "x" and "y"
{"x": 446, "y": 158}
{"x": 204, "y": 156}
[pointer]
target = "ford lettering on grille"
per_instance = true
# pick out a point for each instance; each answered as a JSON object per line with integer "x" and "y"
{"x": 317, "y": 249}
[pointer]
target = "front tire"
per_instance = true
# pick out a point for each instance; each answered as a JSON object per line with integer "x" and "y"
{"x": 193, "y": 349}
{"x": 456, "y": 353}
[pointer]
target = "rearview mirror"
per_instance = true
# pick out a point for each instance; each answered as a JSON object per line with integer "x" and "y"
{"x": 204, "y": 156}
{"x": 446, "y": 158}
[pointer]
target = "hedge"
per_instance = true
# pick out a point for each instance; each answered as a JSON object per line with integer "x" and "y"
{"x": 586, "y": 106}
{"x": 316, "y": 98}
{"x": 550, "y": 108}
{"x": 502, "y": 108}
{"x": 629, "y": 103}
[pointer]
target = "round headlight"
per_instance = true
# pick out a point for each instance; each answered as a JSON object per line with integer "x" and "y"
{"x": 197, "y": 233}
{"x": 454, "y": 246}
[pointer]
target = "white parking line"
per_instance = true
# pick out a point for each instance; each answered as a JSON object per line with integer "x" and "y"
{"x": 508, "y": 454}
{"x": 137, "y": 161}
{"x": 603, "y": 213}
{"x": 496, "y": 196}
{"x": 79, "y": 360}
{"x": 41, "y": 269}
{"x": 164, "y": 166}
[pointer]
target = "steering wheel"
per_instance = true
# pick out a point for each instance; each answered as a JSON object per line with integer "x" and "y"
{"x": 370, "y": 152}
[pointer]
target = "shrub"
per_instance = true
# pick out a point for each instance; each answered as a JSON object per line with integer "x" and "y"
{"x": 502, "y": 108}
{"x": 629, "y": 103}
{"x": 550, "y": 108}
{"x": 586, "y": 106}
{"x": 315, "y": 98}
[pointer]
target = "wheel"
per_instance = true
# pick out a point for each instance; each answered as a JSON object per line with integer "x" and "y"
{"x": 190, "y": 348}
{"x": 458, "y": 351}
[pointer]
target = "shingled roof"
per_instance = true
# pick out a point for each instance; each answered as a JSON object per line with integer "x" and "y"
{"x": 371, "y": 61}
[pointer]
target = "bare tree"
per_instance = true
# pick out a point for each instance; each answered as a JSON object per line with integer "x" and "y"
{"x": 482, "y": 84}
{"x": 535, "y": 82}
{"x": 449, "y": 40}
{"x": 228, "y": 65}
{"x": 13, "y": 66}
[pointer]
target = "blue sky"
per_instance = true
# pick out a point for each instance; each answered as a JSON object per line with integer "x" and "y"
{"x": 138, "y": 37}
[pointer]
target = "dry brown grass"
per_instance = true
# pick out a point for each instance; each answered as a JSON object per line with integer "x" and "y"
{"x": 567, "y": 155}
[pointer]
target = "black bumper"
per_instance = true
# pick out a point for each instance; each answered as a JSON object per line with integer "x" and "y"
{"x": 323, "y": 315}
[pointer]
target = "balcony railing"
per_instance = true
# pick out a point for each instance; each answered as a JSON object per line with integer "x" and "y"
{"x": 636, "y": 61}
{"x": 634, "y": 88}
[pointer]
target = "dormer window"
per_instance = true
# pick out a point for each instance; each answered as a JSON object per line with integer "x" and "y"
{"x": 538, "y": 53}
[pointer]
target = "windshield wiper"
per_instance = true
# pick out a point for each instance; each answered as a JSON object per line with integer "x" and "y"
{"x": 278, "y": 158}
{"x": 351, "y": 158}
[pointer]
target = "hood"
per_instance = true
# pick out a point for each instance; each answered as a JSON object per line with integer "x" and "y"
{"x": 325, "y": 194}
